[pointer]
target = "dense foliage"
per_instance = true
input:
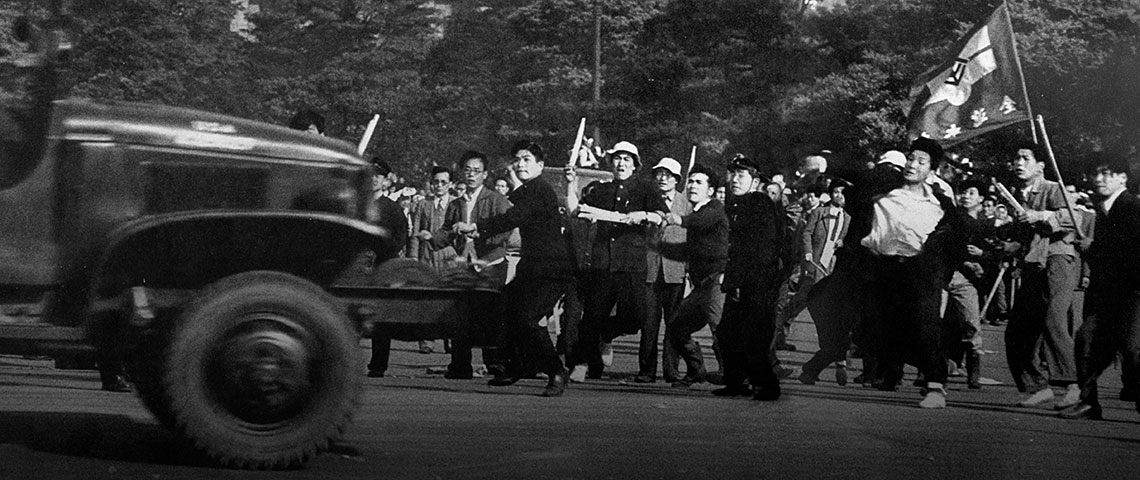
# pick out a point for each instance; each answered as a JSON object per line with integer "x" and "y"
{"x": 776, "y": 79}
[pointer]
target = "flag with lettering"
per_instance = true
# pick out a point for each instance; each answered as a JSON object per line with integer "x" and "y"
{"x": 978, "y": 91}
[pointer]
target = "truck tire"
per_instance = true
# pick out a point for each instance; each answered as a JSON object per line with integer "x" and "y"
{"x": 262, "y": 371}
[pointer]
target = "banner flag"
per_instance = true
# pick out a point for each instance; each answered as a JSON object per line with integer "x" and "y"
{"x": 980, "y": 90}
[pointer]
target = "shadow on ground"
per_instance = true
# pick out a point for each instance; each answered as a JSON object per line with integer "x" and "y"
{"x": 92, "y": 435}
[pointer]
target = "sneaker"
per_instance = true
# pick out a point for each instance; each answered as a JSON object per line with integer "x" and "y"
{"x": 578, "y": 374}
{"x": 935, "y": 398}
{"x": 1072, "y": 397}
{"x": 607, "y": 351}
{"x": 1041, "y": 396}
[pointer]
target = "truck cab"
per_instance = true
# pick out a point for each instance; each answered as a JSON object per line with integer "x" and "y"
{"x": 208, "y": 254}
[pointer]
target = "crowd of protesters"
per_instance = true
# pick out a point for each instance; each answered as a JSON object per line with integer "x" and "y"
{"x": 899, "y": 266}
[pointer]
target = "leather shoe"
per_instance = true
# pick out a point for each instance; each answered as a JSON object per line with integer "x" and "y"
{"x": 841, "y": 375}
{"x": 1129, "y": 394}
{"x": 767, "y": 394}
{"x": 117, "y": 384}
{"x": 504, "y": 380}
{"x": 453, "y": 375}
{"x": 807, "y": 378}
{"x": 733, "y": 391}
{"x": 1082, "y": 411}
{"x": 557, "y": 384}
{"x": 375, "y": 374}
{"x": 644, "y": 379}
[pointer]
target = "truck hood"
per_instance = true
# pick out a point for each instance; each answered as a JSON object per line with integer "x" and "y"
{"x": 183, "y": 128}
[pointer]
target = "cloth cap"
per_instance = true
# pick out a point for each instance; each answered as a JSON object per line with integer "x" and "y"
{"x": 628, "y": 148}
{"x": 893, "y": 157}
{"x": 671, "y": 165}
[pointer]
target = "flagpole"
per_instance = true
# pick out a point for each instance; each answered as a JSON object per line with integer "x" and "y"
{"x": 1060, "y": 181}
{"x": 1020, "y": 74}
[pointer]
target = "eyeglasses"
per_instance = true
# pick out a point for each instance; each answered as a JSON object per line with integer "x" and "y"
{"x": 472, "y": 170}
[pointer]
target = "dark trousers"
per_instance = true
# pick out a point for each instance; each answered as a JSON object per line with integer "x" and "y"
{"x": 461, "y": 344}
{"x": 703, "y": 306}
{"x": 532, "y": 295}
{"x": 904, "y": 303}
{"x": 661, "y": 303}
{"x": 836, "y": 315}
{"x": 1114, "y": 326}
{"x": 1040, "y": 321}
{"x": 601, "y": 292}
{"x": 571, "y": 320}
{"x": 746, "y": 336}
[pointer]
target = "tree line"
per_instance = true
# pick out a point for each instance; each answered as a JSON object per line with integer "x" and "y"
{"x": 774, "y": 79}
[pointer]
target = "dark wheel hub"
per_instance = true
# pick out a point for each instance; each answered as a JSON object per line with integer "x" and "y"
{"x": 261, "y": 372}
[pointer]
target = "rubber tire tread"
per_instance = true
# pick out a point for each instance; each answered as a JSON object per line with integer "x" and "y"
{"x": 222, "y": 438}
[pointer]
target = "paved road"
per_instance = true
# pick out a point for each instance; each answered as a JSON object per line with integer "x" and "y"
{"x": 56, "y": 424}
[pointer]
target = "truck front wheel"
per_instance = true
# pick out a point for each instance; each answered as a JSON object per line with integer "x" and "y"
{"x": 262, "y": 371}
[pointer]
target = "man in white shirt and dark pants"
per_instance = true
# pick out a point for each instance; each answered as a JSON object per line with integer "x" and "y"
{"x": 914, "y": 248}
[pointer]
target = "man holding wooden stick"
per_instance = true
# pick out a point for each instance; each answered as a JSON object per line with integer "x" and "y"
{"x": 1051, "y": 272}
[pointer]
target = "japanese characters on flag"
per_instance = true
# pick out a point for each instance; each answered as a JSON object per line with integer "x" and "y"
{"x": 978, "y": 91}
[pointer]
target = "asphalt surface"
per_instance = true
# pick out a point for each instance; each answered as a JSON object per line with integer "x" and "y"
{"x": 417, "y": 425}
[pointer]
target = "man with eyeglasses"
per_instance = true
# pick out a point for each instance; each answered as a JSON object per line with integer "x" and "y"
{"x": 477, "y": 204}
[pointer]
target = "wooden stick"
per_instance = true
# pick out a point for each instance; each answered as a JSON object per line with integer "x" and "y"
{"x": 367, "y": 135}
{"x": 692, "y": 160}
{"x": 1060, "y": 181}
{"x": 993, "y": 290}
{"x": 578, "y": 142}
{"x": 1007, "y": 196}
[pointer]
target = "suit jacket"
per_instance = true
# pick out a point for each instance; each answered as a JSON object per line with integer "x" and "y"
{"x": 664, "y": 247}
{"x": 488, "y": 204}
{"x": 1114, "y": 261}
{"x": 425, "y": 216}
{"x": 816, "y": 233}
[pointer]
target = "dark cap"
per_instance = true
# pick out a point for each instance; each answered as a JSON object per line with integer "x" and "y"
{"x": 380, "y": 167}
{"x": 741, "y": 162}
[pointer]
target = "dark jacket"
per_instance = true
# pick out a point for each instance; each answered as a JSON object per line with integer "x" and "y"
{"x": 757, "y": 242}
{"x": 535, "y": 213}
{"x": 706, "y": 243}
{"x": 1114, "y": 256}
{"x": 619, "y": 247}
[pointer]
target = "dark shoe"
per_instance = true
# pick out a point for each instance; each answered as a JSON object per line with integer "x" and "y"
{"x": 1082, "y": 411}
{"x": 841, "y": 375}
{"x": 787, "y": 347}
{"x": 784, "y": 372}
{"x": 807, "y": 378}
{"x": 453, "y": 375}
{"x": 425, "y": 347}
{"x": 117, "y": 384}
{"x": 557, "y": 384}
{"x": 375, "y": 374}
{"x": 767, "y": 394}
{"x": 504, "y": 380}
{"x": 1129, "y": 394}
{"x": 733, "y": 391}
{"x": 715, "y": 378}
{"x": 645, "y": 379}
